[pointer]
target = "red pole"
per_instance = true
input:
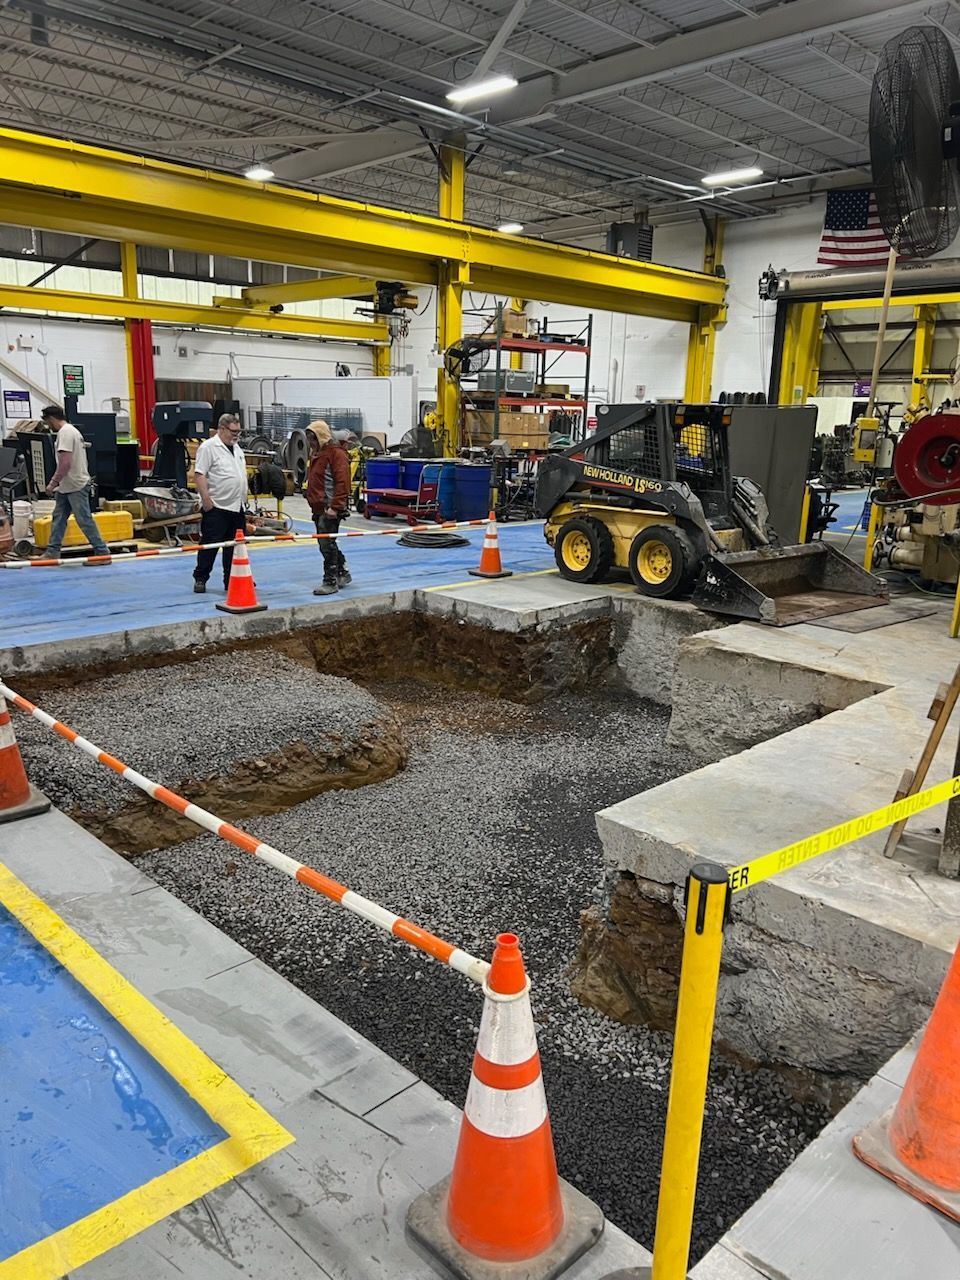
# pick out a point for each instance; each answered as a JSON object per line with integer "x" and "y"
{"x": 144, "y": 382}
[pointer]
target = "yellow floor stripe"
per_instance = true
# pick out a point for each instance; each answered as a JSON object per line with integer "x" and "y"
{"x": 254, "y": 1134}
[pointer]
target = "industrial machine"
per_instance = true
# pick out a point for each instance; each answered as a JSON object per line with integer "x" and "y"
{"x": 652, "y": 492}
{"x": 176, "y": 422}
{"x": 919, "y": 503}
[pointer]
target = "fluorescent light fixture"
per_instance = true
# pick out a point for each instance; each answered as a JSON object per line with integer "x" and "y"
{"x": 258, "y": 173}
{"x": 510, "y": 228}
{"x": 475, "y": 89}
{"x": 731, "y": 176}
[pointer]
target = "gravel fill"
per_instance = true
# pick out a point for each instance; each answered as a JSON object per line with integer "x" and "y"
{"x": 192, "y": 720}
{"x": 489, "y": 828}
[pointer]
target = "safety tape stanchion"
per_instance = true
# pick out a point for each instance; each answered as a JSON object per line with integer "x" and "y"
{"x": 470, "y": 966}
{"x": 152, "y": 553}
{"x": 754, "y": 872}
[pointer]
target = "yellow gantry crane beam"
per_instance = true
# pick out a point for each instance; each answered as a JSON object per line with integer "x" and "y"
{"x": 65, "y": 186}
{"x": 22, "y": 298}
{"x": 268, "y": 295}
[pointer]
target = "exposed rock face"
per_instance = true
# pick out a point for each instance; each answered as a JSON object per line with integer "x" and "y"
{"x": 628, "y": 962}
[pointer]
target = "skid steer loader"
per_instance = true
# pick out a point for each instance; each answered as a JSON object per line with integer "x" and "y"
{"x": 650, "y": 491}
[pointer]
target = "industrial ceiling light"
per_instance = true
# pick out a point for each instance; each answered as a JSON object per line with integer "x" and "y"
{"x": 475, "y": 89}
{"x": 258, "y": 173}
{"x": 510, "y": 228}
{"x": 730, "y": 177}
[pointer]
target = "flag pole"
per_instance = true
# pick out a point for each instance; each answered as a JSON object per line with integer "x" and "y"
{"x": 881, "y": 331}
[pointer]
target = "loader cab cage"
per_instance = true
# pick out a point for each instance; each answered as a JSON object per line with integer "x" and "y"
{"x": 686, "y": 443}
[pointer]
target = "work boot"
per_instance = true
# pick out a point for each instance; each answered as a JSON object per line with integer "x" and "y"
{"x": 326, "y": 589}
{"x": 199, "y": 587}
{"x": 344, "y": 579}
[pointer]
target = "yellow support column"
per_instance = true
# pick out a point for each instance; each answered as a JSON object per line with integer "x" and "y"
{"x": 516, "y": 357}
{"x": 128, "y": 274}
{"x": 926, "y": 322}
{"x": 452, "y": 276}
{"x": 800, "y": 362}
{"x": 707, "y": 897}
{"x": 872, "y": 526}
{"x": 381, "y": 362}
{"x": 703, "y": 333}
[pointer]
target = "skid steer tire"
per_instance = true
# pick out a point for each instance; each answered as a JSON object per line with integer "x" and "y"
{"x": 584, "y": 549}
{"x": 663, "y": 562}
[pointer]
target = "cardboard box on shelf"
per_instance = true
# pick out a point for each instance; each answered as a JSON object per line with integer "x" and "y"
{"x": 514, "y": 323}
{"x": 518, "y": 428}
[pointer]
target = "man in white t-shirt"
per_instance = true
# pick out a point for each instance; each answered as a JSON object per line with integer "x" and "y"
{"x": 70, "y": 486}
{"x": 220, "y": 474}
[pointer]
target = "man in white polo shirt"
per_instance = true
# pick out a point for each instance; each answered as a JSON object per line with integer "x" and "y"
{"x": 220, "y": 472}
{"x": 70, "y": 485}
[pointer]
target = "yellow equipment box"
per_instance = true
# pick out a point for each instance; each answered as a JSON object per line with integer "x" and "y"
{"x": 114, "y": 526}
{"x": 133, "y": 505}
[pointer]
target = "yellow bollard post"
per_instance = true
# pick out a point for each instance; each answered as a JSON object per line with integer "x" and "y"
{"x": 708, "y": 894}
{"x": 955, "y": 619}
{"x": 805, "y": 514}
{"x": 872, "y": 526}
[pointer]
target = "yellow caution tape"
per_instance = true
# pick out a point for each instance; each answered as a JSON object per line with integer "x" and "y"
{"x": 792, "y": 855}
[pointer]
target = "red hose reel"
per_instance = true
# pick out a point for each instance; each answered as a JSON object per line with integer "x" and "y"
{"x": 927, "y": 459}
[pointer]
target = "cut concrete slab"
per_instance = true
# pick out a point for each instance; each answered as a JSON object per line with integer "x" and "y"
{"x": 833, "y": 964}
{"x": 830, "y": 1217}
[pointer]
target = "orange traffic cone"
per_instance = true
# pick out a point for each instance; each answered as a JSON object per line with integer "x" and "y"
{"x": 917, "y": 1145}
{"x": 241, "y": 593}
{"x": 504, "y": 1202}
{"x": 490, "y": 566}
{"x": 17, "y": 798}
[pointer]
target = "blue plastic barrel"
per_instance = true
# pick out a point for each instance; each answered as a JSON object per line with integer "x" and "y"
{"x": 473, "y": 483}
{"x": 410, "y": 469}
{"x": 383, "y": 473}
{"x": 447, "y": 491}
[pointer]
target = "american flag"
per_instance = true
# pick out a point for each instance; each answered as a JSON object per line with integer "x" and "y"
{"x": 852, "y": 235}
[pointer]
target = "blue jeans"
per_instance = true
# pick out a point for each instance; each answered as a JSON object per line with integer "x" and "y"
{"x": 78, "y": 504}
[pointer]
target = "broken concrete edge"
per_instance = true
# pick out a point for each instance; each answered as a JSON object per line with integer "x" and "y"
{"x": 207, "y": 634}
{"x": 805, "y": 984}
{"x": 427, "y": 1232}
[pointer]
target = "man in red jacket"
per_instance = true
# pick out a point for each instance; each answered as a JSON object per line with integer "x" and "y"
{"x": 328, "y": 493}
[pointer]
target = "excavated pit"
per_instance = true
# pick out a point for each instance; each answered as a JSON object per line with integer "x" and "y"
{"x": 464, "y": 809}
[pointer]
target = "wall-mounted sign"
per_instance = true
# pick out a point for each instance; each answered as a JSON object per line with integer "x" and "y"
{"x": 861, "y": 389}
{"x": 16, "y": 404}
{"x": 73, "y": 379}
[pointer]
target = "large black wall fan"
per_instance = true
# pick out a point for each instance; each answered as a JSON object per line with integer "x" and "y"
{"x": 914, "y": 150}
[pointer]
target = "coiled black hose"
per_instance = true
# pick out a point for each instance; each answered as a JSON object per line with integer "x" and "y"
{"x": 441, "y": 540}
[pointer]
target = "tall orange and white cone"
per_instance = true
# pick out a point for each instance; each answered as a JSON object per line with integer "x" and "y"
{"x": 917, "y": 1145}
{"x": 490, "y": 564}
{"x": 241, "y": 592}
{"x": 504, "y": 1203}
{"x": 17, "y": 798}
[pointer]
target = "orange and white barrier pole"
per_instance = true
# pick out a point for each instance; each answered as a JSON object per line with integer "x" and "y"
{"x": 504, "y": 1205}
{"x": 154, "y": 553}
{"x": 470, "y": 966}
{"x": 17, "y": 798}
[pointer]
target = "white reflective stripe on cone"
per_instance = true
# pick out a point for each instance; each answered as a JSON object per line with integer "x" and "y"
{"x": 241, "y": 570}
{"x": 507, "y": 1036}
{"x": 506, "y": 1113}
{"x": 7, "y": 737}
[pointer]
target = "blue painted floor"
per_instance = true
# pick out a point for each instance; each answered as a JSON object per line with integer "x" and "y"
{"x": 847, "y": 517}
{"x": 38, "y": 606}
{"x": 86, "y": 1114}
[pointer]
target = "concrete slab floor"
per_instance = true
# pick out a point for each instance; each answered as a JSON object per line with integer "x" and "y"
{"x": 830, "y": 1217}
{"x": 369, "y": 1136}
{"x": 56, "y": 604}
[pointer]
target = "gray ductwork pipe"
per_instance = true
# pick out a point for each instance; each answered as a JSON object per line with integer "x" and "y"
{"x": 858, "y": 282}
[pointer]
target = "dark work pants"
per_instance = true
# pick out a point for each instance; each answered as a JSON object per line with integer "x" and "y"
{"x": 217, "y": 526}
{"x": 333, "y": 562}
